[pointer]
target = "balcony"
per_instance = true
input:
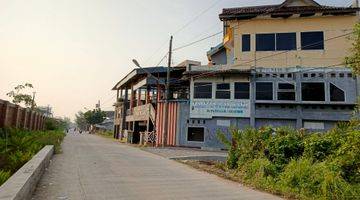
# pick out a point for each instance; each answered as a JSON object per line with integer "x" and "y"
{"x": 141, "y": 113}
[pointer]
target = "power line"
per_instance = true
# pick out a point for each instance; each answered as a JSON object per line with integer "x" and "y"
{"x": 182, "y": 28}
{"x": 220, "y": 32}
{"x": 162, "y": 59}
{"x": 197, "y": 41}
{"x": 197, "y": 17}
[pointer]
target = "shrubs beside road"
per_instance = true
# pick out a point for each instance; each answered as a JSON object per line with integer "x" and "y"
{"x": 298, "y": 164}
{"x": 19, "y": 146}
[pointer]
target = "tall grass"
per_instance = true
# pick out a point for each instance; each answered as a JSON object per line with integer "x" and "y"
{"x": 19, "y": 146}
{"x": 298, "y": 164}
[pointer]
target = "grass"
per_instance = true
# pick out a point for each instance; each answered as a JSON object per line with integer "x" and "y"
{"x": 18, "y": 146}
{"x": 106, "y": 134}
{"x": 294, "y": 163}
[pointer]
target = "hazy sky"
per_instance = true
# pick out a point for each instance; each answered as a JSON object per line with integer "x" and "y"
{"x": 74, "y": 51}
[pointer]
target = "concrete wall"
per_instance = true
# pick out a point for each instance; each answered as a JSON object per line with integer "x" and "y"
{"x": 12, "y": 115}
{"x": 219, "y": 58}
{"x": 21, "y": 184}
{"x": 275, "y": 112}
{"x": 332, "y": 26}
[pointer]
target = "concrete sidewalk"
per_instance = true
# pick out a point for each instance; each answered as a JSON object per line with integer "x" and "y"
{"x": 92, "y": 167}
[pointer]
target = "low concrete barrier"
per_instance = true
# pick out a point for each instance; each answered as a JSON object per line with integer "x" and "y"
{"x": 21, "y": 185}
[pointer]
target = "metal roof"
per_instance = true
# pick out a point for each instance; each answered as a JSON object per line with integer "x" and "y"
{"x": 136, "y": 73}
{"x": 284, "y": 10}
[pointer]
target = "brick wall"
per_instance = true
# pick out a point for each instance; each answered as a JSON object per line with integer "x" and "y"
{"x": 12, "y": 115}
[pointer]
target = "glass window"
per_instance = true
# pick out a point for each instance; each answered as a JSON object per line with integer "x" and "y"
{"x": 286, "y": 91}
{"x": 312, "y": 40}
{"x": 265, "y": 42}
{"x": 336, "y": 94}
{"x": 202, "y": 90}
{"x": 196, "y": 134}
{"x": 246, "y": 44}
{"x": 264, "y": 91}
{"x": 242, "y": 90}
{"x": 223, "y": 91}
{"x": 285, "y": 41}
{"x": 313, "y": 91}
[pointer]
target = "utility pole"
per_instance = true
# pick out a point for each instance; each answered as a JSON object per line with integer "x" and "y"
{"x": 167, "y": 95}
{"x": 33, "y": 101}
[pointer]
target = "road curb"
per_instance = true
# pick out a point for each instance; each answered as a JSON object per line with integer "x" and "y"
{"x": 21, "y": 185}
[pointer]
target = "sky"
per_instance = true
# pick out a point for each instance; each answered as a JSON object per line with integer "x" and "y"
{"x": 75, "y": 51}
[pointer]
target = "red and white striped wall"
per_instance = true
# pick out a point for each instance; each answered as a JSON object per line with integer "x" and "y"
{"x": 172, "y": 123}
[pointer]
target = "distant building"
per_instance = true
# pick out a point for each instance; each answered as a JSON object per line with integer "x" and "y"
{"x": 108, "y": 123}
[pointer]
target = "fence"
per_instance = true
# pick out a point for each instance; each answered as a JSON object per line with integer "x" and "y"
{"x": 12, "y": 115}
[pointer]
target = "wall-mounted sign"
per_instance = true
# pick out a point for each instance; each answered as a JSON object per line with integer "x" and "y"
{"x": 219, "y": 108}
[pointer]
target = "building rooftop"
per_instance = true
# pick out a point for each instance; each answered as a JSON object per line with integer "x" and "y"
{"x": 286, "y": 9}
{"x": 138, "y": 73}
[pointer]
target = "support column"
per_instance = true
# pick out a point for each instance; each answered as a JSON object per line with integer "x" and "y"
{"x": 4, "y": 113}
{"x": 299, "y": 116}
{"x": 138, "y": 103}
{"x": 252, "y": 100}
{"x": 123, "y": 123}
{"x": 132, "y": 97}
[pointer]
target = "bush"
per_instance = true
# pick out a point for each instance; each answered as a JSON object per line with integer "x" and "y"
{"x": 285, "y": 145}
{"x": 19, "y": 146}
{"x": 296, "y": 164}
{"x": 260, "y": 171}
{"x": 4, "y": 175}
{"x": 310, "y": 180}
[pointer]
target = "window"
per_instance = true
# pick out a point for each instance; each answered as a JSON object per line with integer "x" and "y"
{"x": 223, "y": 91}
{"x": 312, "y": 40}
{"x": 246, "y": 45}
{"x": 285, "y": 41}
{"x": 286, "y": 92}
{"x": 265, "y": 42}
{"x": 196, "y": 134}
{"x": 264, "y": 91}
{"x": 276, "y": 41}
{"x": 314, "y": 125}
{"x": 202, "y": 90}
{"x": 242, "y": 90}
{"x": 313, "y": 91}
{"x": 336, "y": 94}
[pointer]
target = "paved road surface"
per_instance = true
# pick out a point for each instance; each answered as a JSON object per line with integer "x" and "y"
{"x": 96, "y": 168}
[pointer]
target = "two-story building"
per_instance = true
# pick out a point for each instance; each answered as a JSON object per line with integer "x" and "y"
{"x": 279, "y": 65}
{"x": 139, "y": 100}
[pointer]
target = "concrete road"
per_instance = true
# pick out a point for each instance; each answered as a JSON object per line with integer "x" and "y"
{"x": 96, "y": 168}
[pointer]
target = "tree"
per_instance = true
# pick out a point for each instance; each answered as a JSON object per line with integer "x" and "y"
{"x": 95, "y": 116}
{"x": 353, "y": 60}
{"x": 57, "y": 123}
{"x": 81, "y": 121}
{"x": 18, "y": 97}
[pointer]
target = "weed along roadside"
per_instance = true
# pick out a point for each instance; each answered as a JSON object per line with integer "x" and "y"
{"x": 19, "y": 146}
{"x": 293, "y": 163}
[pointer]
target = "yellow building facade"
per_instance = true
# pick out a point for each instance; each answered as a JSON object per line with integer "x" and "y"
{"x": 336, "y": 28}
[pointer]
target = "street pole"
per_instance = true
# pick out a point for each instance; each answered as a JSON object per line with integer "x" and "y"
{"x": 167, "y": 94}
{"x": 33, "y": 101}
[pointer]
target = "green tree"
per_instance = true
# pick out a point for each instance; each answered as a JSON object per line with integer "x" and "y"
{"x": 81, "y": 121}
{"x": 353, "y": 60}
{"x": 19, "y": 97}
{"x": 95, "y": 116}
{"x": 57, "y": 123}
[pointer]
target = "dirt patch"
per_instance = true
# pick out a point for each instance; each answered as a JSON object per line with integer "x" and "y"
{"x": 213, "y": 167}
